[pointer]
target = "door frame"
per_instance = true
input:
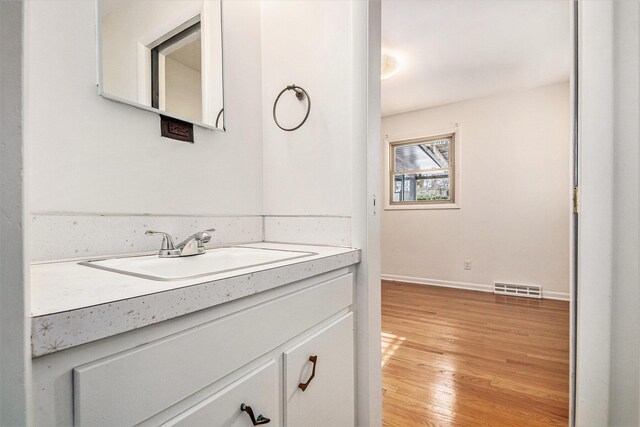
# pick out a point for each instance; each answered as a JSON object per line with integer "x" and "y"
{"x": 574, "y": 223}
{"x": 15, "y": 325}
{"x": 580, "y": 363}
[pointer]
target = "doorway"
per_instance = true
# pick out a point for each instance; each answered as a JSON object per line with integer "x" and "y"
{"x": 477, "y": 253}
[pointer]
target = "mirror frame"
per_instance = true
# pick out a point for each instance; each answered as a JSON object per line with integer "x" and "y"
{"x": 138, "y": 105}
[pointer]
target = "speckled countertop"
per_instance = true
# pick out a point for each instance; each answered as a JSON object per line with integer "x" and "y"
{"x": 72, "y": 304}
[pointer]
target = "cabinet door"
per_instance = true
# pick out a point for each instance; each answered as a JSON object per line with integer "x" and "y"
{"x": 328, "y": 399}
{"x": 258, "y": 390}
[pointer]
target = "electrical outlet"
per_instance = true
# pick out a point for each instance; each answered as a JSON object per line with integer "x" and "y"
{"x": 467, "y": 264}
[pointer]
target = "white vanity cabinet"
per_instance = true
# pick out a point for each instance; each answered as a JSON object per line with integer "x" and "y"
{"x": 199, "y": 369}
{"x": 327, "y": 398}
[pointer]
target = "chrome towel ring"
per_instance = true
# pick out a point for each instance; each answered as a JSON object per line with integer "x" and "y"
{"x": 301, "y": 94}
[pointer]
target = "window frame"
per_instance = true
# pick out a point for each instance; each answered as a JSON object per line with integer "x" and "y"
{"x": 454, "y": 168}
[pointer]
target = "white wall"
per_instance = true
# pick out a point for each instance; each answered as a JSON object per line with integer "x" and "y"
{"x": 308, "y": 171}
{"x": 514, "y": 195}
{"x": 90, "y": 155}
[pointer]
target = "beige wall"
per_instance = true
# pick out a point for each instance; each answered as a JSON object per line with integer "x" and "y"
{"x": 183, "y": 90}
{"x": 515, "y": 193}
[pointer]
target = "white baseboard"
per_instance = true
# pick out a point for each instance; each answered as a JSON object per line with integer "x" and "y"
{"x": 562, "y": 296}
{"x": 443, "y": 283}
{"x": 464, "y": 285}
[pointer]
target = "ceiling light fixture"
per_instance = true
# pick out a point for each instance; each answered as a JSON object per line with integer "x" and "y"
{"x": 390, "y": 65}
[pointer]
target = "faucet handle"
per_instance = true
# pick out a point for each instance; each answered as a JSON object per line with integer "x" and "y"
{"x": 204, "y": 236}
{"x": 168, "y": 248}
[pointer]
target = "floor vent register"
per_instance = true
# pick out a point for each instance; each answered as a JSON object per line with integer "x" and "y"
{"x": 512, "y": 289}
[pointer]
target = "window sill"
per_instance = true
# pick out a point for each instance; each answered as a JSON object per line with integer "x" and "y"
{"x": 435, "y": 206}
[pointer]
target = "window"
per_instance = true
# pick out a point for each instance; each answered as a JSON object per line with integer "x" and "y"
{"x": 421, "y": 171}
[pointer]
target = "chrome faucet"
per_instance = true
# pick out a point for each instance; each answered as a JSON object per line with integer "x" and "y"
{"x": 192, "y": 245}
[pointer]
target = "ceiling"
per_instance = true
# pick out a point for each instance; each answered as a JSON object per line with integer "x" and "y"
{"x": 107, "y": 7}
{"x": 189, "y": 55}
{"x": 453, "y": 50}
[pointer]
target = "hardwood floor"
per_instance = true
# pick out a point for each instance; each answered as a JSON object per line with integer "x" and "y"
{"x": 453, "y": 357}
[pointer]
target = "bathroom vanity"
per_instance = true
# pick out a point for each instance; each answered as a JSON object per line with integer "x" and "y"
{"x": 267, "y": 344}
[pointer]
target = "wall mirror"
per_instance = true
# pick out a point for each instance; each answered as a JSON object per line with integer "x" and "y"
{"x": 164, "y": 56}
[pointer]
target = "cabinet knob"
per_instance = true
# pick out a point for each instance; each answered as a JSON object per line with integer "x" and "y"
{"x": 256, "y": 421}
{"x": 314, "y": 360}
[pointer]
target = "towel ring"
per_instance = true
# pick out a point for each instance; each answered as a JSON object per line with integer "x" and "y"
{"x": 300, "y": 94}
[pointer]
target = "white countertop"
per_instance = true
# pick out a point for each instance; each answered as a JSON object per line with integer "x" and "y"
{"x": 73, "y": 304}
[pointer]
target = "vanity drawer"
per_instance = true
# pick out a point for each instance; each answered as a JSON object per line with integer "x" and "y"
{"x": 129, "y": 387}
{"x": 258, "y": 390}
{"x": 328, "y": 398}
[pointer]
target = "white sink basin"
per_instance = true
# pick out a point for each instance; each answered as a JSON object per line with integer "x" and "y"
{"x": 213, "y": 261}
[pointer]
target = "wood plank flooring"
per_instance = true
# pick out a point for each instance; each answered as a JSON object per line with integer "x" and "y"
{"x": 453, "y": 357}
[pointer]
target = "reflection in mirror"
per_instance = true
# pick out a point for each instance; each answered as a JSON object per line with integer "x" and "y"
{"x": 165, "y": 56}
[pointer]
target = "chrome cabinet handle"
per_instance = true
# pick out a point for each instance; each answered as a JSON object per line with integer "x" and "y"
{"x": 256, "y": 421}
{"x": 314, "y": 360}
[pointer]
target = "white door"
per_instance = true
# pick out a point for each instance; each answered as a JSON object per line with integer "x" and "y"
{"x": 254, "y": 395}
{"x": 324, "y": 397}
